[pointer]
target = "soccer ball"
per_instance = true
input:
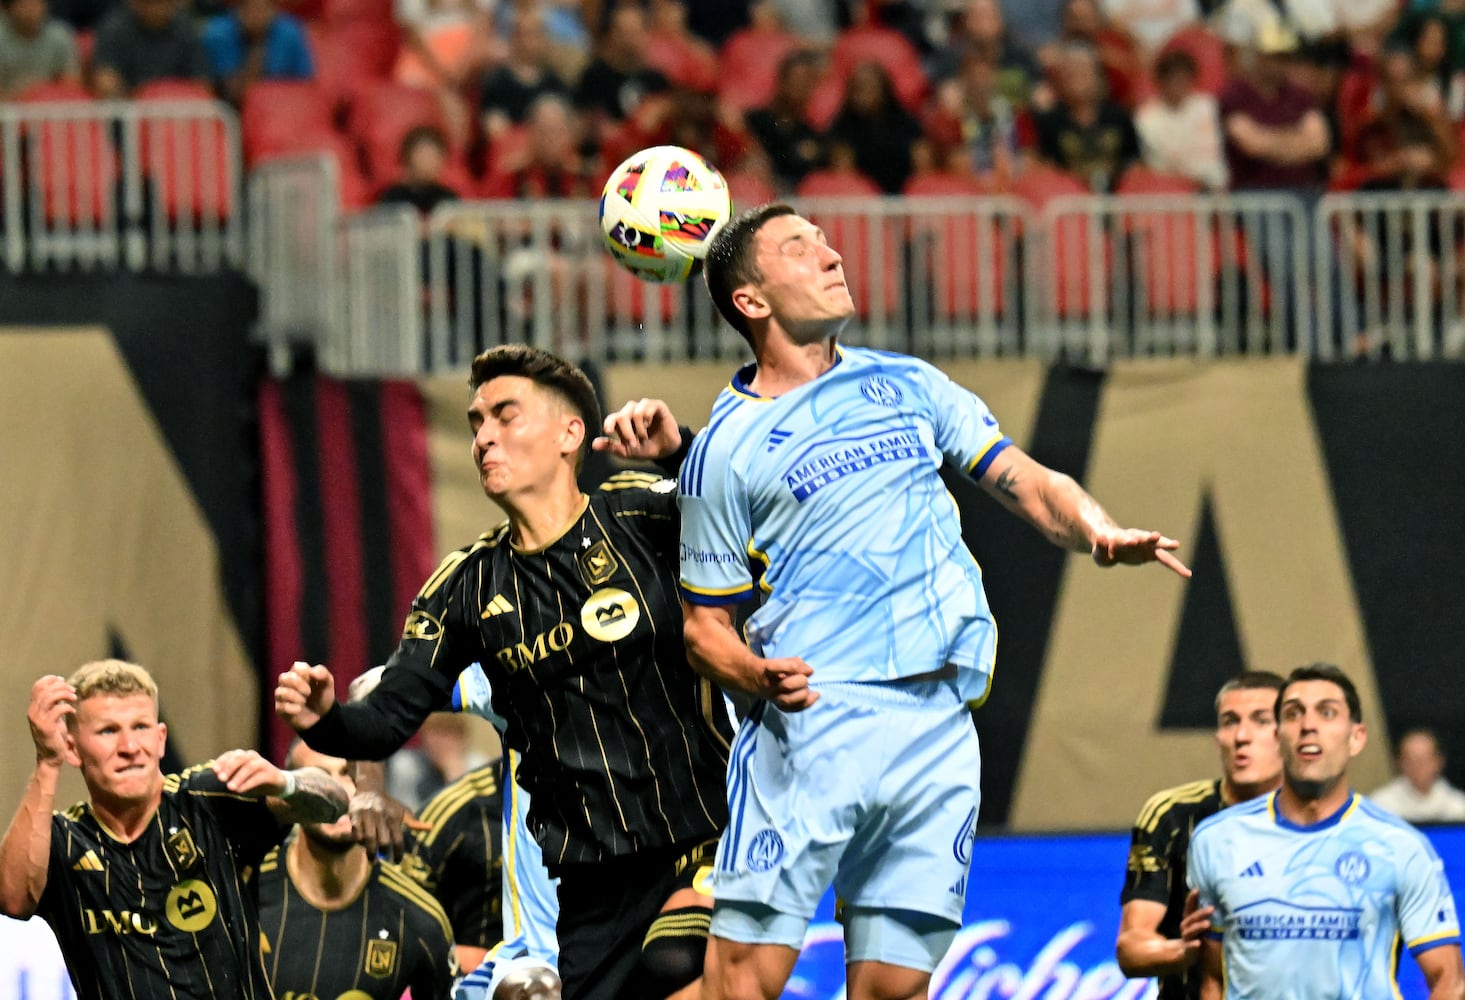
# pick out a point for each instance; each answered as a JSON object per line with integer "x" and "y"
{"x": 660, "y": 210}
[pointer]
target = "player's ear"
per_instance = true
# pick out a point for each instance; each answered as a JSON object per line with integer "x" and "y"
{"x": 574, "y": 434}
{"x": 748, "y": 302}
{"x": 1357, "y": 740}
{"x": 162, "y": 737}
{"x": 73, "y": 757}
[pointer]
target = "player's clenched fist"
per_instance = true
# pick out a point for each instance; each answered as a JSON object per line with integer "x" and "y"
{"x": 52, "y": 700}
{"x": 303, "y": 694}
{"x": 785, "y": 682}
{"x": 245, "y": 771}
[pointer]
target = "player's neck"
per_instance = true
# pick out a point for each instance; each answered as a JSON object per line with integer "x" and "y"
{"x": 1235, "y": 792}
{"x": 784, "y": 364}
{"x": 1304, "y": 811}
{"x": 328, "y": 879}
{"x": 539, "y": 518}
{"x": 125, "y": 820}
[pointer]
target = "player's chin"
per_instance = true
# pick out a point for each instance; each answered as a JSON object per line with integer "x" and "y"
{"x": 335, "y": 836}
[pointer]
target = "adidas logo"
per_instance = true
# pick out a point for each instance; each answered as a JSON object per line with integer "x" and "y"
{"x": 499, "y": 605}
{"x": 89, "y": 863}
{"x": 1254, "y": 870}
{"x": 777, "y": 437}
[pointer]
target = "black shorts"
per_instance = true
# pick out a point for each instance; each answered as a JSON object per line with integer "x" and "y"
{"x": 606, "y": 909}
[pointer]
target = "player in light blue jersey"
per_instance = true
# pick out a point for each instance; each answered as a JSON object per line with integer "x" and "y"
{"x": 526, "y": 959}
{"x": 1314, "y": 889}
{"x": 523, "y": 965}
{"x": 859, "y": 765}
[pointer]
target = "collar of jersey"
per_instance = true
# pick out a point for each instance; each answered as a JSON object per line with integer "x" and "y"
{"x": 580, "y": 513}
{"x": 744, "y": 376}
{"x": 1322, "y": 824}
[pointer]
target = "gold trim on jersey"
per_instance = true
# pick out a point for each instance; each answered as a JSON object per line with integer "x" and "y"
{"x": 1163, "y": 801}
{"x": 680, "y": 925}
{"x": 709, "y": 698}
{"x": 631, "y": 479}
{"x": 398, "y": 881}
{"x": 447, "y": 803}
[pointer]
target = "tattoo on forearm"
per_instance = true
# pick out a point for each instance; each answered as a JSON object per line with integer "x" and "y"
{"x": 1007, "y": 483}
{"x": 318, "y": 797}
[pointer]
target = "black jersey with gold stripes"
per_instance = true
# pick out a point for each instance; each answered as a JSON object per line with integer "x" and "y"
{"x": 623, "y": 747}
{"x": 1159, "y": 844}
{"x": 170, "y": 915}
{"x": 457, "y": 859}
{"x": 393, "y": 936}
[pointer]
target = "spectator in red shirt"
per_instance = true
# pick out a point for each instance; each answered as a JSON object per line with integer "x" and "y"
{"x": 1276, "y": 137}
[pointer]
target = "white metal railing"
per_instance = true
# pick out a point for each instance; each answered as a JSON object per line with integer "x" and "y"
{"x": 295, "y": 256}
{"x": 1391, "y": 275}
{"x": 1089, "y": 279}
{"x": 135, "y": 185}
{"x": 1144, "y": 275}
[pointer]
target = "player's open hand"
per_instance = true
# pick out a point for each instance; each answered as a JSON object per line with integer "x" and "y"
{"x": 1133, "y": 547}
{"x": 303, "y": 694}
{"x": 643, "y": 429}
{"x": 52, "y": 701}
{"x": 1194, "y": 924}
{"x": 245, "y": 772}
{"x": 377, "y": 822}
{"x": 785, "y": 682}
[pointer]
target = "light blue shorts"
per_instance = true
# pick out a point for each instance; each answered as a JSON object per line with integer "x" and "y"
{"x": 874, "y": 788}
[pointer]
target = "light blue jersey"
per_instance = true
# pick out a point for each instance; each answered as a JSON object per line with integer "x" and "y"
{"x": 833, "y": 491}
{"x": 1319, "y": 911}
{"x": 531, "y": 905}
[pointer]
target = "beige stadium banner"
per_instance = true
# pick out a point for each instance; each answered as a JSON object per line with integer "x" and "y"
{"x": 103, "y": 538}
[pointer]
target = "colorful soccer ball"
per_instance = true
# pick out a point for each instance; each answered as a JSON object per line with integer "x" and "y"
{"x": 660, "y": 210}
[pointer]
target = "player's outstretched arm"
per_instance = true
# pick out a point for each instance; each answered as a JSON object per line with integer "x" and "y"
{"x": 717, "y": 652}
{"x": 1063, "y": 511}
{"x": 1443, "y": 972}
{"x": 25, "y": 853}
{"x": 305, "y": 795}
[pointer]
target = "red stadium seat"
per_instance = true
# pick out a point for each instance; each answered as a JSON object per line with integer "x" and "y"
{"x": 381, "y": 114}
{"x": 352, "y": 54}
{"x": 963, "y": 272}
{"x": 837, "y": 184}
{"x": 749, "y": 67}
{"x": 278, "y": 115}
{"x": 1140, "y": 179}
{"x": 72, "y": 162}
{"x": 186, "y": 159}
{"x": 173, "y": 90}
{"x": 889, "y": 48}
{"x": 750, "y": 189}
{"x": 1074, "y": 279}
{"x": 355, "y": 191}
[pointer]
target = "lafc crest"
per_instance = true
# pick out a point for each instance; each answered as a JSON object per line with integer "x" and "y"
{"x": 381, "y": 958}
{"x": 182, "y": 850}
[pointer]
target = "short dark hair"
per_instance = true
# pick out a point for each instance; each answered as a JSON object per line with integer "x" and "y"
{"x": 416, "y": 136}
{"x": 1324, "y": 672}
{"x": 1250, "y": 680}
{"x": 548, "y": 371}
{"x": 1176, "y": 61}
{"x": 732, "y": 262}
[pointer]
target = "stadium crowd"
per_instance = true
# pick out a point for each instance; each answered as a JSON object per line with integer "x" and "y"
{"x": 422, "y": 101}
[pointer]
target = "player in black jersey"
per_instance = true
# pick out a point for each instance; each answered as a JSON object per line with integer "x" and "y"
{"x": 457, "y": 859}
{"x": 147, "y": 885}
{"x": 572, "y": 609}
{"x": 1157, "y": 936}
{"x": 341, "y": 925}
